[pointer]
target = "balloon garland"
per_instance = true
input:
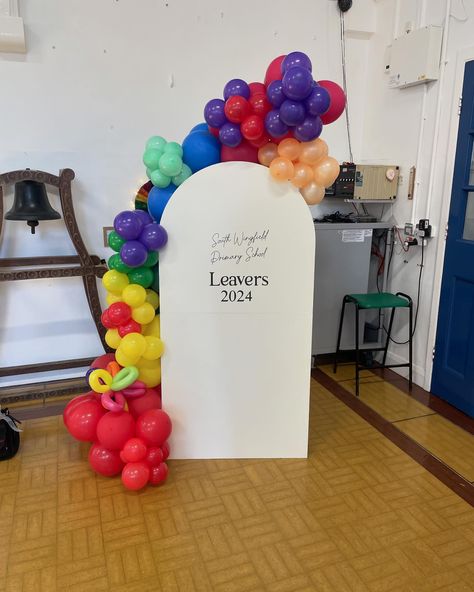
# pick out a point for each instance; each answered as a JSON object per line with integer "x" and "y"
{"x": 276, "y": 123}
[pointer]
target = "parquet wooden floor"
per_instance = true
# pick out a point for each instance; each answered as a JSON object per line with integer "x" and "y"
{"x": 357, "y": 515}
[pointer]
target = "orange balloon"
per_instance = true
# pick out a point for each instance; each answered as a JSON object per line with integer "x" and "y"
{"x": 267, "y": 153}
{"x": 303, "y": 174}
{"x": 313, "y": 151}
{"x": 289, "y": 148}
{"x": 282, "y": 169}
{"x": 326, "y": 171}
{"x": 312, "y": 193}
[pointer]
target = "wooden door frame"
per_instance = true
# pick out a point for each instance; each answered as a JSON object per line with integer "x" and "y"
{"x": 463, "y": 55}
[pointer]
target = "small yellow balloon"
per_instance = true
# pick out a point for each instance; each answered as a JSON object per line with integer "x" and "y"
{"x": 143, "y": 314}
{"x": 267, "y": 153}
{"x": 282, "y": 169}
{"x": 153, "y": 298}
{"x": 289, "y": 148}
{"x": 134, "y": 295}
{"x": 100, "y": 380}
{"x": 150, "y": 377}
{"x": 115, "y": 282}
{"x": 154, "y": 348}
{"x": 153, "y": 328}
{"x": 133, "y": 345}
{"x": 112, "y": 338}
{"x": 148, "y": 364}
{"x": 124, "y": 360}
{"x": 112, "y": 298}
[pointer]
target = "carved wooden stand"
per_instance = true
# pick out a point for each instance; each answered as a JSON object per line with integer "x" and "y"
{"x": 88, "y": 266}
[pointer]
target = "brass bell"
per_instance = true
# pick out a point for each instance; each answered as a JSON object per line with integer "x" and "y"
{"x": 31, "y": 204}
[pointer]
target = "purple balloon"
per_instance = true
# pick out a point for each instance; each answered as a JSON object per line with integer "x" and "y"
{"x": 274, "y": 125}
{"x": 128, "y": 225}
{"x": 318, "y": 101}
{"x": 297, "y": 83}
{"x": 296, "y": 58}
{"x": 230, "y": 135}
{"x": 310, "y": 129}
{"x": 292, "y": 112}
{"x": 154, "y": 236}
{"x": 236, "y": 86}
{"x": 275, "y": 93}
{"x": 214, "y": 113}
{"x": 133, "y": 253}
{"x": 145, "y": 217}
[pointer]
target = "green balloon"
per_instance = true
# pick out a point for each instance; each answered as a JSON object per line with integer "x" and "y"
{"x": 156, "y": 142}
{"x": 159, "y": 179}
{"x": 115, "y": 241}
{"x": 174, "y": 148}
{"x": 142, "y": 276}
{"x": 148, "y": 173}
{"x": 185, "y": 173}
{"x": 171, "y": 164}
{"x": 115, "y": 262}
{"x": 151, "y": 158}
{"x": 152, "y": 259}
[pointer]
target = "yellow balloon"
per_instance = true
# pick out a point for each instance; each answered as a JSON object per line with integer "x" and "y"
{"x": 114, "y": 281}
{"x": 134, "y": 295}
{"x": 124, "y": 360}
{"x": 153, "y": 298}
{"x": 303, "y": 174}
{"x": 154, "y": 348}
{"x": 112, "y": 338}
{"x": 312, "y": 193}
{"x": 326, "y": 171}
{"x": 313, "y": 151}
{"x": 148, "y": 364}
{"x": 282, "y": 169}
{"x": 133, "y": 345}
{"x": 153, "y": 328}
{"x": 100, "y": 381}
{"x": 150, "y": 377}
{"x": 267, "y": 153}
{"x": 143, "y": 314}
{"x": 289, "y": 148}
{"x": 112, "y": 298}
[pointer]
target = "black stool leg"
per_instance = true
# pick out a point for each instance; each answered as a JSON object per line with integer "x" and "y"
{"x": 410, "y": 346}
{"x": 389, "y": 332}
{"x": 339, "y": 333}
{"x": 357, "y": 347}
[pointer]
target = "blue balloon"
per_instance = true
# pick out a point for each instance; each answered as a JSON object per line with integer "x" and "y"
{"x": 200, "y": 127}
{"x": 200, "y": 150}
{"x": 157, "y": 200}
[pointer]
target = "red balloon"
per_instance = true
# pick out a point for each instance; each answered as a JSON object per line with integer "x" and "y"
{"x": 158, "y": 474}
{"x": 274, "y": 70}
{"x": 84, "y": 418}
{"x": 134, "y": 450}
{"x": 114, "y": 429}
{"x": 243, "y": 152}
{"x": 122, "y": 458}
{"x": 105, "y": 320}
{"x": 73, "y": 403}
{"x": 154, "y": 456}
{"x": 103, "y": 360}
{"x": 154, "y": 427}
{"x": 130, "y": 327}
{"x": 257, "y": 88}
{"x": 252, "y": 127}
{"x": 338, "y": 101}
{"x": 150, "y": 400}
{"x": 119, "y": 313}
{"x": 105, "y": 462}
{"x": 259, "y": 142}
{"x": 260, "y": 104}
{"x": 214, "y": 131}
{"x": 135, "y": 475}
{"x": 166, "y": 450}
{"x": 236, "y": 108}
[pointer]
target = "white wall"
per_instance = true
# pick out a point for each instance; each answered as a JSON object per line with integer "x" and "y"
{"x": 97, "y": 80}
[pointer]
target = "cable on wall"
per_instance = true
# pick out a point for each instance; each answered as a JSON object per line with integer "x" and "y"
{"x": 344, "y": 82}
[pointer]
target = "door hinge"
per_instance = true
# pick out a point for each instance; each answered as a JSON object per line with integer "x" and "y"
{"x": 446, "y": 233}
{"x": 459, "y": 105}
{"x": 433, "y": 354}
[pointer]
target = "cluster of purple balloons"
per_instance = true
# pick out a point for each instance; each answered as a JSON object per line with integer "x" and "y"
{"x": 298, "y": 101}
{"x": 141, "y": 234}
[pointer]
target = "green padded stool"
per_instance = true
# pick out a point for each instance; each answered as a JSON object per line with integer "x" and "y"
{"x": 377, "y": 301}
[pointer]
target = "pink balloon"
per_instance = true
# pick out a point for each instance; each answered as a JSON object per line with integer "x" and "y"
{"x": 154, "y": 427}
{"x": 105, "y": 462}
{"x": 90, "y": 396}
{"x": 158, "y": 474}
{"x": 338, "y": 101}
{"x": 102, "y": 361}
{"x": 154, "y": 456}
{"x": 257, "y": 88}
{"x": 134, "y": 450}
{"x": 274, "y": 70}
{"x": 243, "y": 152}
{"x": 135, "y": 475}
{"x": 165, "y": 448}
{"x": 84, "y": 418}
{"x": 150, "y": 400}
{"x": 114, "y": 429}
